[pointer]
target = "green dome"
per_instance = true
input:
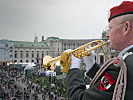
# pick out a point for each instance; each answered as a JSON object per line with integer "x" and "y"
{"x": 52, "y": 38}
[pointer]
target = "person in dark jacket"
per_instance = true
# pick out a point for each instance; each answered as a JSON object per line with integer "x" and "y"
{"x": 120, "y": 34}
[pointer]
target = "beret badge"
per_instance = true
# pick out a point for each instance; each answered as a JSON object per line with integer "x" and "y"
{"x": 109, "y": 14}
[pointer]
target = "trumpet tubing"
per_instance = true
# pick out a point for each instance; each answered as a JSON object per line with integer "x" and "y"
{"x": 50, "y": 62}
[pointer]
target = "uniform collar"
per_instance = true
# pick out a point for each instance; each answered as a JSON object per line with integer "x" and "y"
{"x": 125, "y": 50}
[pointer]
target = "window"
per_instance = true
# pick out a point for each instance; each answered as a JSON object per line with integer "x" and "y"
{"x": 27, "y": 61}
{"x": 32, "y": 60}
{"x": 21, "y": 61}
{"x": 73, "y": 46}
{"x": 46, "y": 52}
{"x": 32, "y": 54}
{"x": 15, "y": 61}
{"x": 101, "y": 59}
{"x": 78, "y": 44}
{"x": 42, "y": 54}
{"x": 21, "y": 54}
{"x": 64, "y": 45}
{"x": 27, "y": 54}
{"x": 69, "y": 45}
{"x": 6, "y": 45}
{"x": 37, "y": 60}
{"x": 15, "y": 55}
{"x": 37, "y": 54}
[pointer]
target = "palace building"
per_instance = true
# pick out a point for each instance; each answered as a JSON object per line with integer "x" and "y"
{"x": 6, "y": 52}
{"x": 27, "y": 52}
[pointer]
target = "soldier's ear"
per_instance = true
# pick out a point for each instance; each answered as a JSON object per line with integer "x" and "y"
{"x": 126, "y": 28}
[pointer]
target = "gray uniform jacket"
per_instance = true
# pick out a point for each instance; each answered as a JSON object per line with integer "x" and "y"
{"x": 99, "y": 91}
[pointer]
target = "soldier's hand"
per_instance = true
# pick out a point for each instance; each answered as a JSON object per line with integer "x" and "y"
{"x": 89, "y": 60}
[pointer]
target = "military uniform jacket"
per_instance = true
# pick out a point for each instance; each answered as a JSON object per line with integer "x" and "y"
{"x": 104, "y": 87}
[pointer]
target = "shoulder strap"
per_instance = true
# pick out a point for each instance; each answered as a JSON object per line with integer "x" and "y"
{"x": 126, "y": 55}
{"x": 121, "y": 83}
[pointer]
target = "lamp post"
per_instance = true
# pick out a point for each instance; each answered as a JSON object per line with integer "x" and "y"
{"x": 5, "y": 56}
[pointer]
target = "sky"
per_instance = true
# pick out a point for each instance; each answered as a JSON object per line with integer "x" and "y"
{"x": 21, "y": 20}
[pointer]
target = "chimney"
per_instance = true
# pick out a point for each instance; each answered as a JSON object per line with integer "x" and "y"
{"x": 42, "y": 38}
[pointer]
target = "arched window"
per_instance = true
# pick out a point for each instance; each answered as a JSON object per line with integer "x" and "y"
{"x": 15, "y": 61}
{"x": 27, "y": 61}
{"x": 32, "y": 60}
{"x": 21, "y": 61}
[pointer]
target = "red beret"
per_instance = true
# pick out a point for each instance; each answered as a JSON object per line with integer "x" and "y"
{"x": 126, "y": 7}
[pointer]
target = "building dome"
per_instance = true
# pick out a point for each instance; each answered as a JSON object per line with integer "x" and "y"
{"x": 52, "y": 38}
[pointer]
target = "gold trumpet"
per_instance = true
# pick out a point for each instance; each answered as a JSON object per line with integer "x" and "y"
{"x": 50, "y": 63}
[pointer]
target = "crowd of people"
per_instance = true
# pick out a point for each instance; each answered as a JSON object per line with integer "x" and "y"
{"x": 10, "y": 88}
{"x": 15, "y": 86}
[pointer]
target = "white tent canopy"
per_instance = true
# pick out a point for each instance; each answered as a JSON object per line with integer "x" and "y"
{"x": 30, "y": 66}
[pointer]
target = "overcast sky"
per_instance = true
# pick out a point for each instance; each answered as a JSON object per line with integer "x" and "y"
{"x": 20, "y": 20}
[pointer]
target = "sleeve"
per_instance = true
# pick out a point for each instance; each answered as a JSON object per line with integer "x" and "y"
{"x": 77, "y": 88}
{"x": 93, "y": 70}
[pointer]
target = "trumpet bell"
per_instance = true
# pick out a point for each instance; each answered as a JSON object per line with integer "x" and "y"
{"x": 46, "y": 62}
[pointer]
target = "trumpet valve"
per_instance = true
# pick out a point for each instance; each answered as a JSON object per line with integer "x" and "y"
{"x": 87, "y": 53}
{"x": 75, "y": 55}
